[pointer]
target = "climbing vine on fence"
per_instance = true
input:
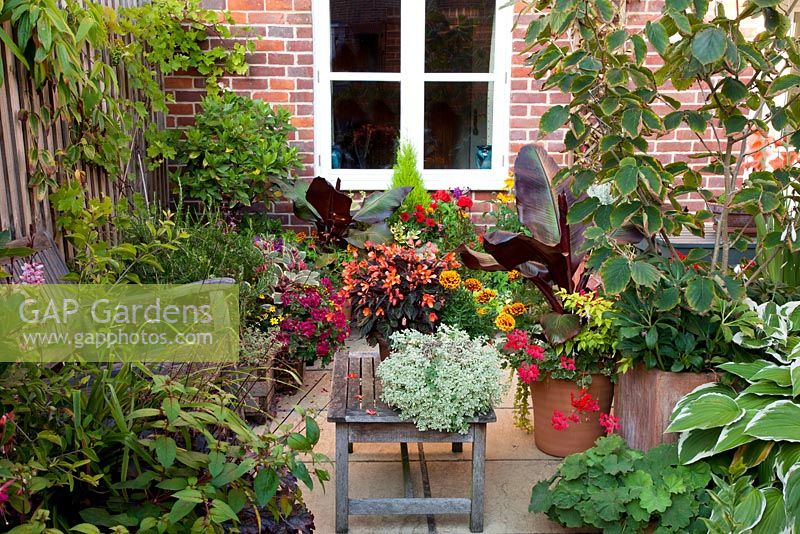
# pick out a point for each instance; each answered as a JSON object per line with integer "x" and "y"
{"x": 72, "y": 51}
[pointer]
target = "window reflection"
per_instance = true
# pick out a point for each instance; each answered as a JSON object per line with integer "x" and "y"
{"x": 365, "y": 36}
{"x": 458, "y": 35}
{"x": 366, "y": 124}
{"x": 458, "y": 118}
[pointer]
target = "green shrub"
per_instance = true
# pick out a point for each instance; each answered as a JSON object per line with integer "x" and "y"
{"x": 147, "y": 452}
{"x": 619, "y": 489}
{"x": 441, "y": 380}
{"x": 407, "y": 174}
{"x": 236, "y": 153}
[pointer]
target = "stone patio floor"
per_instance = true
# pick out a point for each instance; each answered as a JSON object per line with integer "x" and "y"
{"x": 513, "y": 466}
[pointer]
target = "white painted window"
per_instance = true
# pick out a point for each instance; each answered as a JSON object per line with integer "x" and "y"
{"x": 433, "y": 72}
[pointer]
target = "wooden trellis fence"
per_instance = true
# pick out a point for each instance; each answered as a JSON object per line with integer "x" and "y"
{"x": 20, "y": 211}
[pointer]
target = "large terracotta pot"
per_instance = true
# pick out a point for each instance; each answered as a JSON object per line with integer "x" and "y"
{"x": 645, "y": 400}
{"x": 552, "y": 394}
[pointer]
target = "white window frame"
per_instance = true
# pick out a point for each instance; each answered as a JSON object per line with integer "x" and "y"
{"x": 412, "y": 78}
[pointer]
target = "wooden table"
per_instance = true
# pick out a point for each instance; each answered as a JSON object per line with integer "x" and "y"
{"x": 354, "y": 391}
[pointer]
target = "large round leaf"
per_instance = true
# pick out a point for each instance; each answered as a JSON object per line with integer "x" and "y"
{"x": 709, "y": 45}
{"x": 706, "y": 411}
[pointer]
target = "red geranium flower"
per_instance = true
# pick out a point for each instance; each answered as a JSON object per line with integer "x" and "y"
{"x": 405, "y": 216}
{"x": 464, "y": 202}
{"x": 430, "y": 222}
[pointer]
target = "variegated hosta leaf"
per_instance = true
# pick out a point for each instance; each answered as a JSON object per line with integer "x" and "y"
{"x": 709, "y": 410}
{"x": 791, "y": 496}
{"x": 777, "y": 422}
{"x": 697, "y": 444}
{"x": 744, "y": 370}
{"x": 710, "y": 387}
{"x": 773, "y": 518}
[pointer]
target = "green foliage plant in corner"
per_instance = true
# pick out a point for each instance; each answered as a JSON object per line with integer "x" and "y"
{"x": 618, "y": 489}
{"x": 619, "y": 105}
{"x": 407, "y": 174}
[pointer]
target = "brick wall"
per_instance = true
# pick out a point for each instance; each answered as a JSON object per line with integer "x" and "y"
{"x": 281, "y": 73}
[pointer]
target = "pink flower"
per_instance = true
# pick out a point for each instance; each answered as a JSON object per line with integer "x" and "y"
{"x": 568, "y": 363}
{"x": 4, "y": 492}
{"x": 528, "y": 373}
{"x": 535, "y": 352}
{"x": 559, "y": 421}
{"x": 32, "y": 273}
{"x": 516, "y": 339}
{"x": 609, "y": 423}
{"x": 323, "y": 348}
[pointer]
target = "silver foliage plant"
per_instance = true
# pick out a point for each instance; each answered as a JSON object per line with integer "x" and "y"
{"x": 441, "y": 380}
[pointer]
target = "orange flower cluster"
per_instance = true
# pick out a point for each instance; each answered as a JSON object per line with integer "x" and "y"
{"x": 473, "y": 284}
{"x": 397, "y": 286}
{"x": 485, "y": 296}
{"x": 516, "y": 309}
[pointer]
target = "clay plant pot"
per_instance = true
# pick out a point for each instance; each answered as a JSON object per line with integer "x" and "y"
{"x": 737, "y": 220}
{"x": 552, "y": 394}
{"x": 383, "y": 347}
{"x": 644, "y": 402}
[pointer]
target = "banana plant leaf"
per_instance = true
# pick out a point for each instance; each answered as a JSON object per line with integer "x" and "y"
{"x": 330, "y": 210}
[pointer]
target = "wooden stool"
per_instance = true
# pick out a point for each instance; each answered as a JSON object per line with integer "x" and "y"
{"x": 350, "y": 399}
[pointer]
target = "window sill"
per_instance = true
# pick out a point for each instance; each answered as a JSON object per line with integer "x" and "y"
{"x": 379, "y": 179}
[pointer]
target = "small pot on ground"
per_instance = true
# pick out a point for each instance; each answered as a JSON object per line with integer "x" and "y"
{"x": 645, "y": 399}
{"x": 552, "y": 394}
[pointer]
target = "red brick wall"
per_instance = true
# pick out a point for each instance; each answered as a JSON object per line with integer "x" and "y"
{"x": 281, "y": 73}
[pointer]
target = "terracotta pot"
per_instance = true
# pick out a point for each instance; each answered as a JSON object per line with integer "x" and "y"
{"x": 287, "y": 383}
{"x": 383, "y": 347}
{"x": 645, "y": 399}
{"x": 347, "y": 309}
{"x": 552, "y": 394}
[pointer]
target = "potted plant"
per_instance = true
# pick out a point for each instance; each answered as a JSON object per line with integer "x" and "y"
{"x": 569, "y": 382}
{"x": 667, "y": 348}
{"x": 618, "y": 489}
{"x": 256, "y": 370}
{"x": 441, "y": 380}
{"x": 396, "y": 287}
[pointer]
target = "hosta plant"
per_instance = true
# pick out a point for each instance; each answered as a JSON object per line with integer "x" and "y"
{"x": 619, "y": 489}
{"x": 337, "y": 223}
{"x": 441, "y": 380}
{"x": 754, "y": 429}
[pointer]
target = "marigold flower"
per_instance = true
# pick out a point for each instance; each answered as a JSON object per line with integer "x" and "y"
{"x": 301, "y": 236}
{"x": 485, "y": 296}
{"x": 473, "y": 284}
{"x": 481, "y": 311}
{"x": 505, "y": 322}
{"x": 450, "y": 279}
{"x": 517, "y": 308}
{"x": 514, "y": 275}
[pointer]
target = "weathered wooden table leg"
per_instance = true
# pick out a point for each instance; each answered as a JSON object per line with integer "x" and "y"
{"x": 478, "y": 472}
{"x": 342, "y": 472}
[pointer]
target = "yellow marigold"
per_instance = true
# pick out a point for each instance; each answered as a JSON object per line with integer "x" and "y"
{"x": 514, "y": 275}
{"x": 481, "y": 311}
{"x": 517, "y": 308}
{"x": 486, "y": 295}
{"x": 473, "y": 284}
{"x": 505, "y": 322}
{"x": 450, "y": 279}
{"x": 506, "y": 198}
{"x": 301, "y": 236}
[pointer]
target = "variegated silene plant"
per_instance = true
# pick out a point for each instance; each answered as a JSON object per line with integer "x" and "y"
{"x": 755, "y": 431}
{"x": 337, "y": 224}
{"x": 551, "y": 253}
{"x": 619, "y": 103}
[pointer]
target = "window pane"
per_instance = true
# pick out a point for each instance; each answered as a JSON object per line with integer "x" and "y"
{"x": 366, "y": 124}
{"x": 365, "y": 36}
{"x": 458, "y": 35}
{"x": 458, "y": 125}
